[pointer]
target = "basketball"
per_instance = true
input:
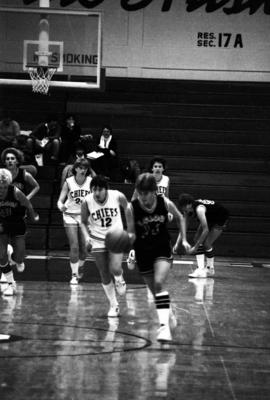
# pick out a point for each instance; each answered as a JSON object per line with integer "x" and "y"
{"x": 117, "y": 241}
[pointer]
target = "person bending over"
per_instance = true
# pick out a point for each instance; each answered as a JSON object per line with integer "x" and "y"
{"x": 212, "y": 218}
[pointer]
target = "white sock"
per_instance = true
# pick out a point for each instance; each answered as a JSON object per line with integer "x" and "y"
{"x": 200, "y": 260}
{"x": 110, "y": 293}
{"x": 210, "y": 262}
{"x": 9, "y": 276}
{"x": 119, "y": 277}
{"x": 74, "y": 267}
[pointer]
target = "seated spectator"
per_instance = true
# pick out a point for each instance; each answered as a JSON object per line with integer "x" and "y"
{"x": 70, "y": 137}
{"x": 9, "y": 131}
{"x": 87, "y": 142}
{"x": 80, "y": 154}
{"x": 107, "y": 164}
{"x": 129, "y": 170}
{"x": 45, "y": 139}
{"x": 29, "y": 158}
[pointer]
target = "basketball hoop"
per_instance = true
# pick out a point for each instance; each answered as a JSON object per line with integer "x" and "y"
{"x": 41, "y": 77}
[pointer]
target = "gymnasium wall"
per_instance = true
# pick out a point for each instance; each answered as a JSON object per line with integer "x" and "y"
{"x": 221, "y": 40}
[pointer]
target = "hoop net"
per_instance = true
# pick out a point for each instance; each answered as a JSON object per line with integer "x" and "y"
{"x": 41, "y": 77}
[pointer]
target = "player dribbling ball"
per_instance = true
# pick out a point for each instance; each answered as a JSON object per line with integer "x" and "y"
{"x": 118, "y": 241}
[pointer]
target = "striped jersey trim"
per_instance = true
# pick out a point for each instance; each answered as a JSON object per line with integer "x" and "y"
{"x": 99, "y": 239}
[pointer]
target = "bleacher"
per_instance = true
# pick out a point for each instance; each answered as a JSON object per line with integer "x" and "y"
{"x": 213, "y": 135}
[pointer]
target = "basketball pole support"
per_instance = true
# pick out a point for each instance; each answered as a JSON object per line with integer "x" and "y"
{"x": 44, "y": 3}
{"x": 43, "y": 48}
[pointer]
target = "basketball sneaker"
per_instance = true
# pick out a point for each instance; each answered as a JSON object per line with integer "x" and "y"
{"x": 198, "y": 273}
{"x": 10, "y": 290}
{"x": 74, "y": 280}
{"x": 131, "y": 260}
{"x": 164, "y": 334}
{"x": 210, "y": 270}
{"x": 114, "y": 311}
{"x": 120, "y": 286}
{"x": 20, "y": 267}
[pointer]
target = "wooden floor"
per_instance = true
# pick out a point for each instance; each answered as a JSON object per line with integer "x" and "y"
{"x": 63, "y": 346}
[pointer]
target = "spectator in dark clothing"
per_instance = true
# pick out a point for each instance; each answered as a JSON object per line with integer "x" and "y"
{"x": 70, "y": 137}
{"x": 107, "y": 164}
{"x": 9, "y": 131}
{"x": 45, "y": 139}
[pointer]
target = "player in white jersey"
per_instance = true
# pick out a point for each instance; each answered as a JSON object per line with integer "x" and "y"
{"x": 157, "y": 167}
{"x": 74, "y": 190}
{"x": 101, "y": 211}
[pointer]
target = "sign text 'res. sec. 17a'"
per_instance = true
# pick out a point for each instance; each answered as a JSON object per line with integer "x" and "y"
{"x": 227, "y": 6}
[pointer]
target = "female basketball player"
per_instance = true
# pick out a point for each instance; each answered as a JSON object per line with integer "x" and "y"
{"x": 79, "y": 155}
{"x": 157, "y": 167}
{"x": 74, "y": 190}
{"x": 22, "y": 178}
{"x": 101, "y": 211}
{"x": 12, "y": 159}
{"x": 12, "y": 226}
{"x": 212, "y": 218}
{"x": 153, "y": 245}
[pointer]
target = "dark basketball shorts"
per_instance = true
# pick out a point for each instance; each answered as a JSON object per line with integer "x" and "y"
{"x": 14, "y": 227}
{"x": 146, "y": 259}
{"x": 220, "y": 221}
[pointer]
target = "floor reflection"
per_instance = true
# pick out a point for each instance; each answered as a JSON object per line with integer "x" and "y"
{"x": 66, "y": 344}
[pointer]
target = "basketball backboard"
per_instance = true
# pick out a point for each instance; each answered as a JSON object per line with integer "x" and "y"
{"x": 68, "y": 42}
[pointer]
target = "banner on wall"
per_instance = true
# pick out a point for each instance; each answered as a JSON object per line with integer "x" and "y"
{"x": 192, "y": 39}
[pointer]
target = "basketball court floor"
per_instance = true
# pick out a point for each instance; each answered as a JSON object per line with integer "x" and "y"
{"x": 62, "y": 345}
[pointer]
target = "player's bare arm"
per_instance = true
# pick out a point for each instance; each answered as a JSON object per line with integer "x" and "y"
{"x": 168, "y": 188}
{"x": 62, "y": 197}
{"x": 23, "y": 200}
{"x": 129, "y": 217}
{"x": 31, "y": 181}
{"x": 84, "y": 224}
{"x": 201, "y": 215}
{"x": 181, "y": 223}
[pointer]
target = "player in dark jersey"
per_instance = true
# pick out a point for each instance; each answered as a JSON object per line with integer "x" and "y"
{"x": 157, "y": 167}
{"x": 212, "y": 217}
{"x": 23, "y": 179}
{"x": 153, "y": 245}
{"x": 12, "y": 226}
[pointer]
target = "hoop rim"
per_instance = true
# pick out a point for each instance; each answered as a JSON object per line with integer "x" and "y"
{"x": 35, "y": 66}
